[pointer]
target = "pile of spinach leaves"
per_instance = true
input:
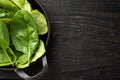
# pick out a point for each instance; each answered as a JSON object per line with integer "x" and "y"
{"x": 20, "y": 28}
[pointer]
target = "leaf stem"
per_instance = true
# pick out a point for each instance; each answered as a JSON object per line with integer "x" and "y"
{"x": 11, "y": 52}
{"x": 8, "y": 57}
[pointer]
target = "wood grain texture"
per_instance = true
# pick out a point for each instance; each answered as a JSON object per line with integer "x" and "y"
{"x": 85, "y": 34}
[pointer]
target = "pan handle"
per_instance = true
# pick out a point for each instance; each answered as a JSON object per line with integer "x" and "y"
{"x": 25, "y": 76}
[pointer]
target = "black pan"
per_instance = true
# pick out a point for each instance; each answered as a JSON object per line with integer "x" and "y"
{"x": 22, "y": 72}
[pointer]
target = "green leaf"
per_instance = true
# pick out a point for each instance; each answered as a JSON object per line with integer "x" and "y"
{"x": 8, "y": 6}
{"x": 6, "y": 20}
{"x": 2, "y": 13}
{"x": 4, "y": 36}
{"x": 40, "y": 52}
{"x": 7, "y": 57}
{"x": 4, "y": 61}
{"x": 23, "y": 4}
{"x": 6, "y": 17}
{"x": 24, "y": 36}
{"x": 22, "y": 61}
{"x": 40, "y": 20}
{"x": 4, "y": 41}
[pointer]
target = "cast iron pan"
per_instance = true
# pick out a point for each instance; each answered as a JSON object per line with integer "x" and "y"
{"x": 21, "y": 72}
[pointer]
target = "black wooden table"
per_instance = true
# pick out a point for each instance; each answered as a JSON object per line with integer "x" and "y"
{"x": 85, "y": 40}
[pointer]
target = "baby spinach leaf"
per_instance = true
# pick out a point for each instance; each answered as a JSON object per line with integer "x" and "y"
{"x": 6, "y": 20}
{"x": 22, "y": 61}
{"x": 5, "y": 16}
{"x": 40, "y": 20}
{"x": 2, "y": 13}
{"x": 41, "y": 50}
{"x": 8, "y": 6}
{"x": 24, "y": 36}
{"x": 4, "y": 40}
{"x": 4, "y": 36}
{"x": 4, "y": 61}
{"x": 23, "y": 4}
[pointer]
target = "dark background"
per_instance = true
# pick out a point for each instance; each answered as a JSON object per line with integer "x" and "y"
{"x": 85, "y": 40}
